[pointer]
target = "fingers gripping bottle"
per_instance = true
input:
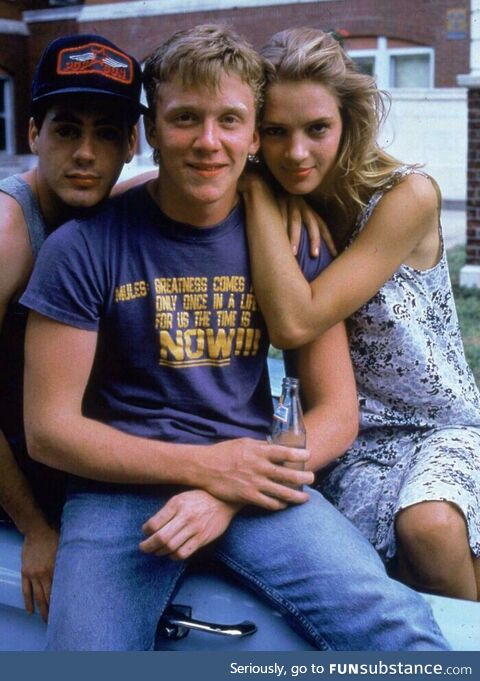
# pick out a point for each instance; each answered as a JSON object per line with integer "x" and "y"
{"x": 288, "y": 428}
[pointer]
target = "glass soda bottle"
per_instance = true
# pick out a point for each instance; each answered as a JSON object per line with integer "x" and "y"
{"x": 288, "y": 428}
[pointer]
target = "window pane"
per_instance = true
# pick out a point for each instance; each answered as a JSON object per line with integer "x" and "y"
{"x": 3, "y": 139}
{"x": 411, "y": 70}
{"x": 365, "y": 64}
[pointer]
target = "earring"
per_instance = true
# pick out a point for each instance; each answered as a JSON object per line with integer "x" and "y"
{"x": 253, "y": 158}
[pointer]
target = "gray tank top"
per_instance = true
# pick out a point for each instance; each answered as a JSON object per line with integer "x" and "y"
{"x": 46, "y": 483}
{"x": 16, "y": 187}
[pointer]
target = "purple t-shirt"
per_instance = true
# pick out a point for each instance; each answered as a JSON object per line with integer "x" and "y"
{"x": 182, "y": 345}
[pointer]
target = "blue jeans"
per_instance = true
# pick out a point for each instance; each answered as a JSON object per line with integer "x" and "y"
{"x": 308, "y": 561}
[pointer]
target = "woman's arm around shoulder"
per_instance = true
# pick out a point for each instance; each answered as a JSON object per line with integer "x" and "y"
{"x": 403, "y": 228}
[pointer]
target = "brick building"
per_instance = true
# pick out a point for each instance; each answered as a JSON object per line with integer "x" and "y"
{"x": 470, "y": 274}
{"x": 407, "y": 44}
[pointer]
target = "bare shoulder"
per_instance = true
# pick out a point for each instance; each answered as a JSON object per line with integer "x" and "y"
{"x": 415, "y": 204}
{"x": 16, "y": 258}
{"x": 13, "y": 229}
{"x": 424, "y": 189}
{"x": 405, "y": 225}
{"x": 410, "y": 206}
{"x": 418, "y": 194}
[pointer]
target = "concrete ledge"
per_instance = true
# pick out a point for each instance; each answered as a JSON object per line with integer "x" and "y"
{"x": 469, "y": 80}
{"x": 454, "y": 204}
{"x": 13, "y": 27}
{"x": 470, "y": 276}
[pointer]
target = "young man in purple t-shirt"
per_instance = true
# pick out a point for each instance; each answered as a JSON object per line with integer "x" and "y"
{"x": 146, "y": 381}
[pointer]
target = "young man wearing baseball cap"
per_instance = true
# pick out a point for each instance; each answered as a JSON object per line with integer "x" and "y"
{"x": 146, "y": 379}
{"x": 85, "y": 103}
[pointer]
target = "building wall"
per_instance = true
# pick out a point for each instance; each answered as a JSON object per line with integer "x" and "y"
{"x": 422, "y": 22}
{"x": 14, "y": 61}
{"x": 416, "y": 21}
{"x": 430, "y": 127}
{"x": 473, "y": 207}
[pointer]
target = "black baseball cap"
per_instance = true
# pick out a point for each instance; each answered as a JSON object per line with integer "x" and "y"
{"x": 88, "y": 63}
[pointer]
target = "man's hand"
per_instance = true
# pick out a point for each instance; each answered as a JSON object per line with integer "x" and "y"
{"x": 248, "y": 471}
{"x": 187, "y": 522}
{"x": 38, "y": 560}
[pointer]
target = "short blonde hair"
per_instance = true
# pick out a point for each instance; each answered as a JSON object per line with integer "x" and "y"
{"x": 201, "y": 55}
{"x": 310, "y": 54}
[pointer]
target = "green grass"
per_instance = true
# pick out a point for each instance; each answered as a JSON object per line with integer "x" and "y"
{"x": 468, "y": 307}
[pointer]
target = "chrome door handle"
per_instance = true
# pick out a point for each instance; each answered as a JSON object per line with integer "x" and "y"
{"x": 177, "y": 621}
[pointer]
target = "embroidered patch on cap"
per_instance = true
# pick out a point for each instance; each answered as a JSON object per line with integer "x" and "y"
{"x": 97, "y": 59}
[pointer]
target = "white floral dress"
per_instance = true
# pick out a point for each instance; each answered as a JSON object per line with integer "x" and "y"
{"x": 419, "y": 405}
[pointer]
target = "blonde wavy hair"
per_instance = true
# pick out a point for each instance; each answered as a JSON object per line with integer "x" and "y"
{"x": 362, "y": 167}
{"x": 202, "y": 55}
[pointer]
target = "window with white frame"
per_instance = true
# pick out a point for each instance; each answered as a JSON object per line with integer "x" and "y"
{"x": 396, "y": 67}
{"x": 144, "y": 150}
{"x": 3, "y": 126}
{"x": 6, "y": 133}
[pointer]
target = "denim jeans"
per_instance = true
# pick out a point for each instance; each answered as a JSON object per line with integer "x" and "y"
{"x": 308, "y": 561}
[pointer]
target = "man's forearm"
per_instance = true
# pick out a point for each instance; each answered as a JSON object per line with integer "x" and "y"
{"x": 329, "y": 434}
{"x": 91, "y": 449}
{"x": 16, "y": 497}
{"x": 241, "y": 471}
{"x": 40, "y": 544}
{"x": 58, "y": 365}
{"x": 187, "y": 522}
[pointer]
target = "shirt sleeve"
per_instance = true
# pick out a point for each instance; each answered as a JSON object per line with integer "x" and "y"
{"x": 312, "y": 266}
{"x": 66, "y": 283}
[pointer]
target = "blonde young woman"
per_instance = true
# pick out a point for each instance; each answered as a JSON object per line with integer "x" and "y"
{"x": 411, "y": 482}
